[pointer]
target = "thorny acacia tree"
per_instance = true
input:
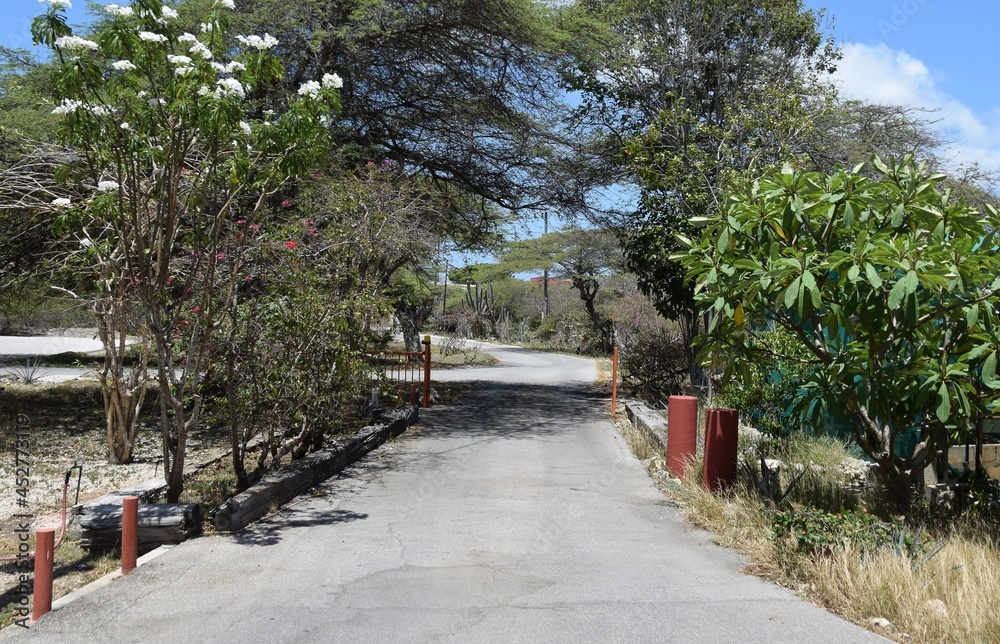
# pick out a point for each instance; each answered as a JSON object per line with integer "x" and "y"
{"x": 887, "y": 283}
{"x": 174, "y": 156}
{"x": 462, "y": 92}
{"x": 583, "y": 256}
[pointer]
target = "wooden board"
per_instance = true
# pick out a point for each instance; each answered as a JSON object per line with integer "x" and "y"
{"x": 159, "y": 523}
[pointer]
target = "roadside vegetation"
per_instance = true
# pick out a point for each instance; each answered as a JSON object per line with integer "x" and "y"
{"x": 926, "y": 581}
{"x": 243, "y": 209}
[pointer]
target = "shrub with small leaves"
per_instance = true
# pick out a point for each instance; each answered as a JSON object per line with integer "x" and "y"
{"x": 818, "y": 532}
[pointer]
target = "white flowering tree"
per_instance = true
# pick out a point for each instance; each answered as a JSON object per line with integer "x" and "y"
{"x": 176, "y": 160}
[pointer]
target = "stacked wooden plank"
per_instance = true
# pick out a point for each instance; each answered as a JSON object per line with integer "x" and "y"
{"x": 159, "y": 523}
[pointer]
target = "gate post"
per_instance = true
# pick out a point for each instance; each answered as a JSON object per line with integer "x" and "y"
{"x": 44, "y": 554}
{"x": 427, "y": 372}
{"x": 682, "y": 433}
{"x": 614, "y": 380}
{"x": 722, "y": 431}
{"x": 130, "y": 533}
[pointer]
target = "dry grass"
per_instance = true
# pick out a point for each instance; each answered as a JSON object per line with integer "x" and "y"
{"x": 952, "y": 596}
{"x": 638, "y": 441}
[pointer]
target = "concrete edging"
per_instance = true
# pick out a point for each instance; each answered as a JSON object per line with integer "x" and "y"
{"x": 287, "y": 483}
{"x": 648, "y": 421}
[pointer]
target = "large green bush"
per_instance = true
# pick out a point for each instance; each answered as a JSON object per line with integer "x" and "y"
{"x": 890, "y": 288}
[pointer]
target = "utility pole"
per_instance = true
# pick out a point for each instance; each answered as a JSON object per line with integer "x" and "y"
{"x": 545, "y": 274}
{"x": 444, "y": 303}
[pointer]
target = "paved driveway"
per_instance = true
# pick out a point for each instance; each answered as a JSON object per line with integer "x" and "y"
{"x": 518, "y": 515}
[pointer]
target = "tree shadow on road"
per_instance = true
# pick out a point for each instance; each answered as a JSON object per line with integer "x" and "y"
{"x": 514, "y": 411}
{"x": 489, "y": 412}
{"x": 269, "y": 531}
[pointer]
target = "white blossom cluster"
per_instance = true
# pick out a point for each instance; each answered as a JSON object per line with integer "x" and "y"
{"x": 183, "y": 71}
{"x": 229, "y": 68}
{"x": 310, "y": 89}
{"x": 257, "y": 42}
{"x": 118, "y": 10}
{"x": 207, "y": 27}
{"x": 123, "y": 65}
{"x": 332, "y": 80}
{"x": 228, "y": 4}
{"x": 187, "y": 37}
{"x": 58, "y": 4}
{"x": 149, "y": 36}
{"x": 201, "y": 50}
{"x": 178, "y": 60}
{"x": 61, "y": 202}
{"x": 75, "y": 42}
{"x": 169, "y": 13}
{"x": 229, "y": 87}
{"x": 107, "y": 186}
{"x": 245, "y": 127}
{"x": 68, "y": 106}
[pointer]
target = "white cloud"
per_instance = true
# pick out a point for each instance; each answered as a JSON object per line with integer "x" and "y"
{"x": 881, "y": 74}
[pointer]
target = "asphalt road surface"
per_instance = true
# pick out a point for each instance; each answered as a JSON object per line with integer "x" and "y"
{"x": 517, "y": 515}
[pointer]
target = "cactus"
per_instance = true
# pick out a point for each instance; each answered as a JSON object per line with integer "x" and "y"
{"x": 483, "y": 303}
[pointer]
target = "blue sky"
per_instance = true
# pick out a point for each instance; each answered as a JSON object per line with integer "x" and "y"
{"x": 935, "y": 54}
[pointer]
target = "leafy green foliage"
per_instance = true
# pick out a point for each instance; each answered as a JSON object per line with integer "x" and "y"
{"x": 766, "y": 398}
{"x": 696, "y": 97}
{"x": 887, "y": 283}
{"x": 290, "y": 352}
{"x": 818, "y": 532}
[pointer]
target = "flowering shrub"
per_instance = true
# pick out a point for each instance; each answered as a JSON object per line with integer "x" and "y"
{"x": 170, "y": 151}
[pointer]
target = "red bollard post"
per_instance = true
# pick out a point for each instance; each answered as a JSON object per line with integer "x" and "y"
{"x": 130, "y": 533}
{"x": 44, "y": 554}
{"x": 682, "y": 433}
{"x": 722, "y": 430}
{"x": 614, "y": 380}
{"x": 427, "y": 371}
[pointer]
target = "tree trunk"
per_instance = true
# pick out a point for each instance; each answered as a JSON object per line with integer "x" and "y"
{"x": 899, "y": 485}
{"x": 588, "y": 288}
{"x": 123, "y": 389}
{"x": 690, "y": 323}
{"x": 406, "y": 315}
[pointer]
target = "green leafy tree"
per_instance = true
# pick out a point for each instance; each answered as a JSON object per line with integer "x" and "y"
{"x": 173, "y": 155}
{"x": 395, "y": 226}
{"x": 696, "y": 96}
{"x": 889, "y": 286}
{"x": 290, "y": 351}
{"x": 462, "y": 92}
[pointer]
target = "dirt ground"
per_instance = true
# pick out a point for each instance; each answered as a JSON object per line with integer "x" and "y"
{"x": 66, "y": 428}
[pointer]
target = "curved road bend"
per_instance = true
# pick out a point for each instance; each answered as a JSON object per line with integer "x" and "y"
{"x": 518, "y": 515}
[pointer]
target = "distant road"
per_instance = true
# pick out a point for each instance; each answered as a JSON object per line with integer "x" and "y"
{"x": 517, "y": 514}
